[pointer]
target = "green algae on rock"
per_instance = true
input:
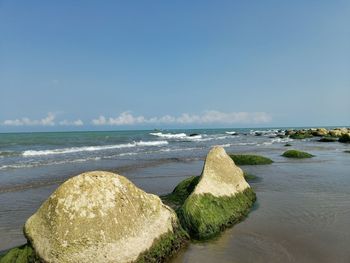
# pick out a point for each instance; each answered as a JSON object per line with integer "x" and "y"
{"x": 165, "y": 246}
{"x": 205, "y": 216}
{"x": 21, "y": 254}
{"x": 103, "y": 217}
{"x": 297, "y": 154}
{"x": 250, "y": 159}
{"x": 221, "y": 197}
{"x": 178, "y": 196}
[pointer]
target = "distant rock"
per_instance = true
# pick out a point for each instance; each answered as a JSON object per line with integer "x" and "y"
{"x": 345, "y": 138}
{"x": 335, "y": 133}
{"x": 103, "y": 217}
{"x": 194, "y": 134}
{"x": 222, "y": 197}
{"x": 290, "y": 132}
{"x": 320, "y": 132}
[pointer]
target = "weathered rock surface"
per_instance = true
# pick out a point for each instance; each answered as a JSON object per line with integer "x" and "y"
{"x": 220, "y": 175}
{"x": 221, "y": 198}
{"x": 99, "y": 217}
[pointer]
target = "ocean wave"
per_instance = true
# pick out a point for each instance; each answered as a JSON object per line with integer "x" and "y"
{"x": 92, "y": 148}
{"x": 169, "y": 135}
{"x": 231, "y": 132}
{"x": 126, "y": 154}
{"x": 36, "y": 164}
{"x": 177, "y": 136}
{"x": 225, "y": 145}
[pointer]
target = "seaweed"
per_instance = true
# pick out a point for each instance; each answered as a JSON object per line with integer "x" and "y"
{"x": 249, "y": 159}
{"x": 204, "y": 216}
{"x": 297, "y": 154}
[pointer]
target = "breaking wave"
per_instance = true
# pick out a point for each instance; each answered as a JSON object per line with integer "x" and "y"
{"x": 178, "y": 136}
{"x": 93, "y": 148}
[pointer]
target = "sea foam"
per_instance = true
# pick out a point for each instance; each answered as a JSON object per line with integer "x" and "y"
{"x": 181, "y": 136}
{"x": 93, "y": 148}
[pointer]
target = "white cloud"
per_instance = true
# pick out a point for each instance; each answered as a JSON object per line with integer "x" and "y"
{"x": 71, "y": 123}
{"x": 208, "y": 117}
{"x": 49, "y": 120}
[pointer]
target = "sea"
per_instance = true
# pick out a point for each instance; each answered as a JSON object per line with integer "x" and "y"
{"x": 302, "y": 213}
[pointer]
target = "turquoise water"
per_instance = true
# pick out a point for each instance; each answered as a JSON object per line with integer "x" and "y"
{"x": 303, "y": 208}
{"x": 40, "y": 153}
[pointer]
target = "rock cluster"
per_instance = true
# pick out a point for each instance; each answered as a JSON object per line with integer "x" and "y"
{"x": 320, "y": 132}
{"x": 102, "y": 217}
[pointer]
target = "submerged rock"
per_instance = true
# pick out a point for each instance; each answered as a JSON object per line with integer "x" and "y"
{"x": 297, "y": 154}
{"x": 103, "y": 217}
{"x": 250, "y": 159}
{"x": 222, "y": 197}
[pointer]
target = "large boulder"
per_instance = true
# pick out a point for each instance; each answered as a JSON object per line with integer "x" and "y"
{"x": 221, "y": 198}
{"x": 103, "y": 217}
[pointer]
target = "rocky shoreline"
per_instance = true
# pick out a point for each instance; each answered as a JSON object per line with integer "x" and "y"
{"x": 103, "y": 217}
{"x": 337, "y": 134}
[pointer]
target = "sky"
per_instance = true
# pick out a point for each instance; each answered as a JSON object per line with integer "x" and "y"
{"x": 109, "y": 65}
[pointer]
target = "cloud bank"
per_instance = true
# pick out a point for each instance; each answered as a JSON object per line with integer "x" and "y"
{"x": 71, "y": 123}
{"x": 128, "y": 119}
{"x": 49, "y": 120}
{"x": 208, "y": 117}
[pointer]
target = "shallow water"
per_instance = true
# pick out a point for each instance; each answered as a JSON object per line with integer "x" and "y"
{"x": 302, "y": 213}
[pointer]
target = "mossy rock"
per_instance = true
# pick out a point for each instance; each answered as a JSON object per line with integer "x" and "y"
{"x": 328, "y": 139}
{"x": 248, "y": 159}
{"x": 183, "y": 190}
{"x": 21, "y": 254}
{"x": 217, "y": 199}
{"x": 297, "y": 154}
{"x": 165, "y": 247}
{"x": 204, "y": 216}
{"x": 287, "y": 145}
{"x": 300, "y": 136}
{"x": 178, "y": 196}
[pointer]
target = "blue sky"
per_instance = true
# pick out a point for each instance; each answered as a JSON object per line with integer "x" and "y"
{"x": 81, "y": 65}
